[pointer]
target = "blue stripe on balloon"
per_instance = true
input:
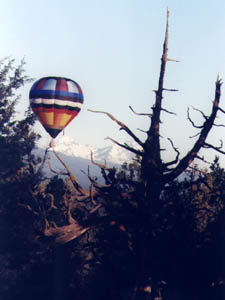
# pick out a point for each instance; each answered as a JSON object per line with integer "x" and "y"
{"x": 42, "y": 93}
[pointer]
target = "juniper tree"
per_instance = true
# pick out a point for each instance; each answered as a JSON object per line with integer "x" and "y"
{"x": 18, "y": 175}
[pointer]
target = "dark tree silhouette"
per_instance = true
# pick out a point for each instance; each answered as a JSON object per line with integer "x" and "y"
{"x": 156, "y": 174}
{"x": 18, "y": 177}
{"x": 141, "y": 222}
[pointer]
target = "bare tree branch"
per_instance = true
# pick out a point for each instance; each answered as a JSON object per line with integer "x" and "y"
{"x": 202, "y": 159}
{"x": 122, "y": 126}
{"x": 125, "y": 146}
{"x": 200, "y": 171}
{"x": 218, "y": 125}
{"x": 220, "y": 109}
{"x": 177, "y": 156}
{"x": 101, "y": 166}
{"x": 173, "y": 60}
{"x": 192, "y": 123}
{"x": 218, "y": 149}
{"x": 152, "y": 143}
{"x": 64, "y": 234}
{"x": 28, "y": 207}
{"x": 91, "y": 178}
{"x": 104, "y": 168}
{"x": 170, "y": 90}
{"x": 52, "y": 200}
{"x": 197, "y": 134}
{"x": 53, "y": 171}
{"x": 140, "y": 114}
{"x": 95, "y": 208}
{"x": 92, "y": 193}
{"x": 208, "y": 124}
{"x": 73, "y": 179}
{"x": 60, "y": 234}
{"x": 169, "y": 112}
{"x": 198, "y": 110}
{"x": 141, "y": 130}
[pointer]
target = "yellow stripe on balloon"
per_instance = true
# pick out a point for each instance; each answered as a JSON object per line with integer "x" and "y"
{"x": 49, "y": 118}
{"x": 64, "y": 119}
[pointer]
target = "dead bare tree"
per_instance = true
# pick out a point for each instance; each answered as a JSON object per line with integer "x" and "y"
{"x": 155, "y": 173}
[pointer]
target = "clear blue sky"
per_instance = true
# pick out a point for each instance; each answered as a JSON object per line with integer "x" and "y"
{"x": 112, "y": 48}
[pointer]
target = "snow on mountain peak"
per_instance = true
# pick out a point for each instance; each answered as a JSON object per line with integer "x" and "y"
{"x": 78, "y": 157}
{"x": 70, "y": 147}
{"x": 112, "y": 154}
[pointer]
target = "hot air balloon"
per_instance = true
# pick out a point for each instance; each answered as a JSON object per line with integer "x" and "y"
{"x": 56, "y": 101}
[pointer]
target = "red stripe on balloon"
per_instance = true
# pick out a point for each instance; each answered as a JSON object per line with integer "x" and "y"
{"x": 42, "y": 117}
{"x": 62, "y": 85}
{"x": 40, "y": 84}
{"x": 38, "y": 109}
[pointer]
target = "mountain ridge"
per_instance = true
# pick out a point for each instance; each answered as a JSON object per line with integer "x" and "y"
{"x": 113, "y": 154}
{"x": 78, "y": 158}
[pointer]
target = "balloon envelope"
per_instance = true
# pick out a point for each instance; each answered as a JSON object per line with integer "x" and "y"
{"x": 56, "y": 101}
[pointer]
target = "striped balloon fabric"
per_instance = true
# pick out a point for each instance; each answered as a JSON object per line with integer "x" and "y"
{"x": 56, "y": 101}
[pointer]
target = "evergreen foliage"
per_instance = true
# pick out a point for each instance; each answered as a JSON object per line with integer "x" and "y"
{"x": 18, "y": 176}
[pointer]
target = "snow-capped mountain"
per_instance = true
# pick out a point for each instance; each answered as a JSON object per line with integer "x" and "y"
{"x": 112, "y": 154}
{"x": 78, "y": 157}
